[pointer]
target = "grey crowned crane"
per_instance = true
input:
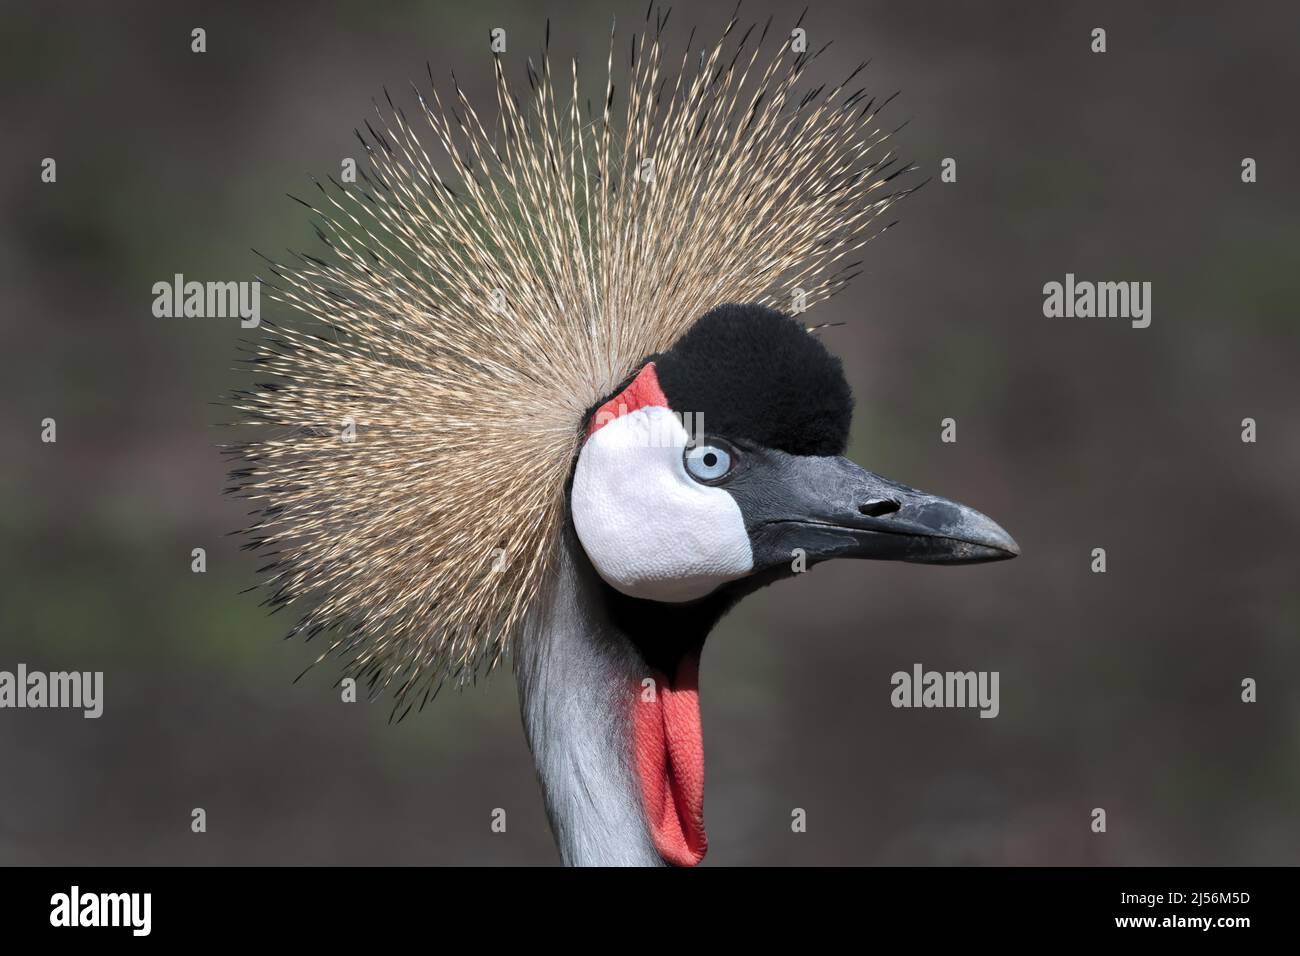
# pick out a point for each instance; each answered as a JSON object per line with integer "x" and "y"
{"x": 541, "y": 402}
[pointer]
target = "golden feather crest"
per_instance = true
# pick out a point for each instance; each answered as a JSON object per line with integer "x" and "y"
{"x": 413, "y": 428}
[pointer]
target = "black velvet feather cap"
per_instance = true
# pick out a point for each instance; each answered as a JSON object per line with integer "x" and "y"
{"x": 757, "y": 374}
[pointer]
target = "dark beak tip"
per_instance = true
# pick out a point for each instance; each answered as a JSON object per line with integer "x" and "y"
{"x": 980, "y": 540}
{"x": 1009, "y": 547}
{"x": 998, "y": 545}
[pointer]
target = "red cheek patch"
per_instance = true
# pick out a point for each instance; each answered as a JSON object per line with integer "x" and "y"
{"x": 642, "y": 392}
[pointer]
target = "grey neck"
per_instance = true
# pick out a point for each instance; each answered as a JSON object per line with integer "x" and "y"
{"x": 577, "y": 676}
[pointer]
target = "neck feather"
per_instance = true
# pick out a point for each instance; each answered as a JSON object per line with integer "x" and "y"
{"x": 577, "y": 671}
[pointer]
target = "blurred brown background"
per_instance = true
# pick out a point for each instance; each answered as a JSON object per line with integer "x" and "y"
{"x": 1118, "y": 690}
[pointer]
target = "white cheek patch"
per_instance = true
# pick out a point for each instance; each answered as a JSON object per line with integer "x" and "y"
{"x": 651, "y": 530}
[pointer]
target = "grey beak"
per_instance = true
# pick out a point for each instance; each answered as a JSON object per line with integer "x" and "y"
{"x": 832, "y": 508}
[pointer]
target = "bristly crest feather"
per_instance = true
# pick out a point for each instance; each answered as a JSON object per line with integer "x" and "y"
{"x": 421, "y": 543}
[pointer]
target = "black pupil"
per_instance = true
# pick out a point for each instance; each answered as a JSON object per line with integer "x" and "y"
{"x": 710, "y": 459}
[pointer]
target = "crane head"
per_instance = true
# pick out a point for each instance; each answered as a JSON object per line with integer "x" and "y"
{"x": 722, "y": 460}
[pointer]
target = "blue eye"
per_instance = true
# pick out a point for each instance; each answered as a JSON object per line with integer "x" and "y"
{"x": 707, "y": 462}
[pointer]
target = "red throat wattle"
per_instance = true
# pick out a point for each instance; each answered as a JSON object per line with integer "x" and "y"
{"x": 668, "y": 751}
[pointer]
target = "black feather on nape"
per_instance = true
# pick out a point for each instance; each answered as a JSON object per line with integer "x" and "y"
{"x": 755, "y": 373}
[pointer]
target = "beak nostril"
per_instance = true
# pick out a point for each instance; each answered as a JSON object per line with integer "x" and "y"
{"x": 879, "y": 507}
